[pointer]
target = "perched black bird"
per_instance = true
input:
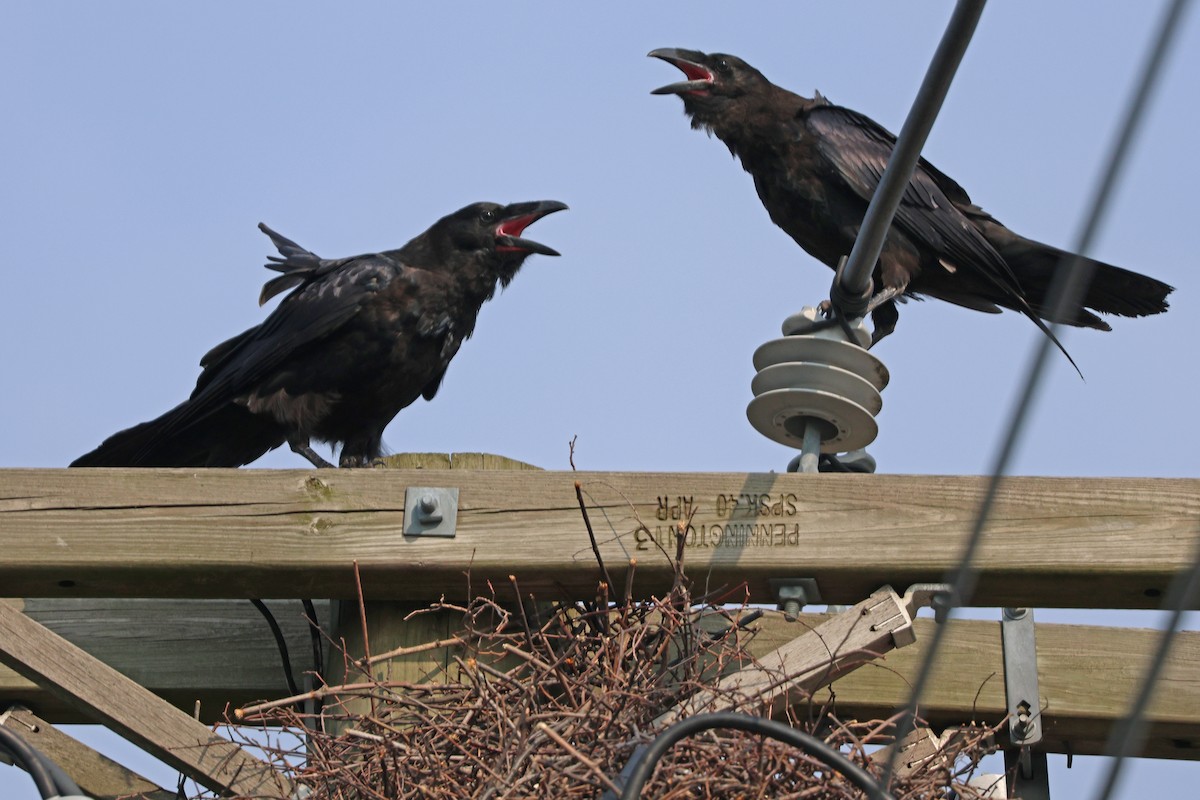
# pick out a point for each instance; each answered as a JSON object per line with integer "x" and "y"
{"x": 816, "y": 165}
{"x": 357, "y": 340}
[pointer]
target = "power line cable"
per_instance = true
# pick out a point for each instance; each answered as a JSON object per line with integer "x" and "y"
{"x": 1127, "y": 735}
{"x": 855, "y": 279}
{"x": 1071, "y": 279}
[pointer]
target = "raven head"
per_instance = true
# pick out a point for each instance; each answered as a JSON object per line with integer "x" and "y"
{"x": 715, "y": 82}
{"x": 496, "y": 230}
{"x": 512, "y": 220}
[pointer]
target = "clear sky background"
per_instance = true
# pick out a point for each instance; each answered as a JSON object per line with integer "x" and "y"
{"x": 142, "y": 142}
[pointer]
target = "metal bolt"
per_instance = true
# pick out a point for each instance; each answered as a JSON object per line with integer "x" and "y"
{"x": 791, "y": 600}
{"x": 428, "y": 504}
{"x": 1021, "y": 724}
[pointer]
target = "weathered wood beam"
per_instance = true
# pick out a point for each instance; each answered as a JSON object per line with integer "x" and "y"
{"x": 217, "y": 653}
{"x": 1067, "y": 542}
{"x": 1088, "y": 674}
{"x": 132, "y": 711}
{"x": 795, "y": 670}
{"x": 1088, "y": 677}
{"x": 96, "y": 774}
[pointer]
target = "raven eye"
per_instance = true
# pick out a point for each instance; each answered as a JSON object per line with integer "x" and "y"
{"x": 723, "y": 66}
{"x": 488, "y": 215}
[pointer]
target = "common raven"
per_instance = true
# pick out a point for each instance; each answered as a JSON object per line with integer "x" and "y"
{"x": 816, "y": 165}
{"x": 357, "y": 340}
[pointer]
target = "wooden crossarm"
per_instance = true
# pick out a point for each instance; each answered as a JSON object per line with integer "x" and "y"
{"x": 162, "y": 730}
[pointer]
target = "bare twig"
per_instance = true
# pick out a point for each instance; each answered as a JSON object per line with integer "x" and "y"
{"x": 580, "y": 757}
{"x": 555, "y": 708}
{"x": 591, "y": 533}
{"x": 416, "y": 648}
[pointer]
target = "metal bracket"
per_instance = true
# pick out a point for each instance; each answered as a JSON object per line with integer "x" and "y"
{"x": 1034, "y": 785}
{"x": 852, "y": 461}
{"x": 1021, "y": 685}
{"x": 917, "y": 596}
{"x": 430, "y": 511}
{"x": 934, "y": 595}
{"x": 793, "y": 594}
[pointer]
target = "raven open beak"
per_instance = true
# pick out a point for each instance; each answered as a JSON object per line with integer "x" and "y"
{"x": 700, "y": 78}
{"x": 519, "y": 216}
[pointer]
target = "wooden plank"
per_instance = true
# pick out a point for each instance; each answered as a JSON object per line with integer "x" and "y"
{"x": 817, "y": 657}
{"x": 1066, "y": 542}
{"x": 392, "y": 625}
{"x": 96, "y": 774}
{"x": 218, "y": 653}
{"x": 132, "y": 711}
{"x": 1088, "y": 674}
{"x": 452, "y": 461}
{"x": 1088, "y": 677}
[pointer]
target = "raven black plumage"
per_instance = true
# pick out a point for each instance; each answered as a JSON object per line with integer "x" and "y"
{"x": 357, "y": 340}
{"x": 816, "y": 165}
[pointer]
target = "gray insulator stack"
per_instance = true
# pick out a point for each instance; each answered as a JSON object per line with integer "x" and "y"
{"x": 818, "y": 385}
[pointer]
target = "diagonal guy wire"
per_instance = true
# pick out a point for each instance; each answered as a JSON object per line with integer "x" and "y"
{"x": 1072, "y": 276}
{"x": 1127, "y": 735}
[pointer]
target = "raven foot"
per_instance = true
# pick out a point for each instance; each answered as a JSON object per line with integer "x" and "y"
{"x": 357, "y": 461}
{"x": 304, "y": 448}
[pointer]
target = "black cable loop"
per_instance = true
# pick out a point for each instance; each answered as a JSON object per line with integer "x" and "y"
{"x": 29, "y": 760}
{"x": 807, "y": 743}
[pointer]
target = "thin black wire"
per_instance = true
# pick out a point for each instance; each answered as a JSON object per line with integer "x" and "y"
{"x": 1126, "y": 737}
{"x": 1071, "y": 278}
{"x": 805, "y": 742}
{"x": 314, "y": 634}
{"x": 280, "y": 642}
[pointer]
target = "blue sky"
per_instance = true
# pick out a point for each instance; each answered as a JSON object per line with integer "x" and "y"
{"x": 143, "y": 142}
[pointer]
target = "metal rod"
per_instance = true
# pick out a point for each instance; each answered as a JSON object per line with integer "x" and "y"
{"x": 810, "y": 452}
{"x": 856, "y": 278}
{"x": 1032, "y": 786}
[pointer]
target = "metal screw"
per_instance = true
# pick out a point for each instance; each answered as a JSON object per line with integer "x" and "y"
{"x": 428, "y": 504}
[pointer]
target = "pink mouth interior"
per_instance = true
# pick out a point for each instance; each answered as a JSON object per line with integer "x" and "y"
{"x": 515, "y": 226}
{"x": 694, "y": 71}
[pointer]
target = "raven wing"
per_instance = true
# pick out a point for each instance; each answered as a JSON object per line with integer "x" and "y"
{"x": 859, "y": 149}
{"x": 439, "y": 324}
{"x": 312, "y": 312}
{"x": 933, "y": 209}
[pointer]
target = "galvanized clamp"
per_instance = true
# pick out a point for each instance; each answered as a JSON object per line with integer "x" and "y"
{"x": 1021, "y": 683}
{"x": 430, "y": 511}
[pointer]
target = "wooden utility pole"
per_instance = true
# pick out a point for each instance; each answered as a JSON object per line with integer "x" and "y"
{"x": 68, "y": 535}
